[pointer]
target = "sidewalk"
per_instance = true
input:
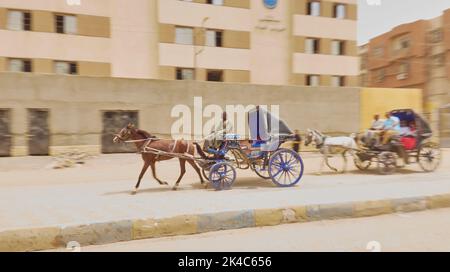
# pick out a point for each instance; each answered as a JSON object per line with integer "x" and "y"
{"x": 86, "y": 203}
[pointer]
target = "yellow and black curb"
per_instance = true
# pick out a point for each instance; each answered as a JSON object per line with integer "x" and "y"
{"x": 33, "y": 239}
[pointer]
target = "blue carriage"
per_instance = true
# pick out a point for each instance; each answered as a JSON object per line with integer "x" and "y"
{"x": 262, "y": 153}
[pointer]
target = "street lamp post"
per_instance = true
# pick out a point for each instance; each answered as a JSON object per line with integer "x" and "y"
{"x": 198, "y": 52}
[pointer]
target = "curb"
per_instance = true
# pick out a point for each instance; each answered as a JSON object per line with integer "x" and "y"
{"x": 33, "y": 239}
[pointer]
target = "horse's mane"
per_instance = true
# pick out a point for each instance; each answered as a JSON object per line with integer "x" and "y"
{"x": 144, "y": 134}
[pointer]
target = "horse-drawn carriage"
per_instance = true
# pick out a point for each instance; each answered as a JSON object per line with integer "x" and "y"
{"x": 415, "y": 148}
{"x": 262, "y": 154}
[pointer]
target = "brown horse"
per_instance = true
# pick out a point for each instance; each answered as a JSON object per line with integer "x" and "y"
{"x": 143, "y": 140}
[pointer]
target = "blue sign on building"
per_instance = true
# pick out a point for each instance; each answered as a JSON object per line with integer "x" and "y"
{"x": 270, "y": 4}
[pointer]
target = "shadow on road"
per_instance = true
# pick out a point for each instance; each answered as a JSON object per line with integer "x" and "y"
{"x": 240, "y": 183}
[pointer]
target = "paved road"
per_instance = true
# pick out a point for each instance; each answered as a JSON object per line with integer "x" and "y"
{"x": 32, "y": 196}
{"x": 421, "y": 231}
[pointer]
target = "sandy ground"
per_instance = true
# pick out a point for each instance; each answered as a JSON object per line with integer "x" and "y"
{"x": 422, "y": 231}
{"x": 26, "y": 171}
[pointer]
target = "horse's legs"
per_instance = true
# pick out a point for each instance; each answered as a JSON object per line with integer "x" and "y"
{"x": 345, "y": 161}
{"x": 152, "y": 164}
{"x": 182, "y": 172}
{"x": 322, "y": 164}
{"x": 331, "y": 167}
{"x": 144, "y": 169}
{"x": 192, "y": 163}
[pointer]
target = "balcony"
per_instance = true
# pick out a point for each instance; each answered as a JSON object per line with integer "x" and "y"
{"x": 325, "y": 65}
{"x": 179, "y": 55}
{"x": 28, "y": 44}
{"x": 322, "y": 27}
{"x": 185, "y": 13}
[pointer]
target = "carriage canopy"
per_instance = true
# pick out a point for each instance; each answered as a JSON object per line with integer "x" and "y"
{"x": 409, "y": 115}
{"x": 263, "y": 125}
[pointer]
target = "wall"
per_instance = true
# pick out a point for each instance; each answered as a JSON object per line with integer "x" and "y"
{"x": 380, "y": 101}
{"x": 76, "y": 104}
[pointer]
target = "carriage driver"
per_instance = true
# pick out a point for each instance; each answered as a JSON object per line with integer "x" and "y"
{"x": 214, "y": 139}
{"x": 373, "y": 134}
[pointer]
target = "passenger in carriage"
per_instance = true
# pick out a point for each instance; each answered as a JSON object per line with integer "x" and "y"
{"x": 409, "y": 135}
{"x": 215, "y": 139}
{"x": 405, "y": 130}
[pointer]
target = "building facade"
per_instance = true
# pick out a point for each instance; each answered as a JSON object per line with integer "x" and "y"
{"x": 284, "y": 42}
{"x": 415, "y": 55}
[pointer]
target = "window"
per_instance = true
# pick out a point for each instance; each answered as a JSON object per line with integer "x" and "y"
{"x": 20, "y": 65}
{"x": 378, "y": 52}
{"x": 214, "y": 75}
{"x": 66, "y": 68}
{"x": 380, "y": 75}
{"x": 338, "y": 48}
{"x": 185, "y": 74}
{"x": 66, "y": 24}
{"x": 214, "y": 38}
{"x": 312, "y": 80}
{"x": 312, "y": 46}
{"x": 339, "y": 11}
{"x": 436, "y": 36}
{"x": 403, "y": 68}
{"x": 313, "y": 8}
{"x": 184, "y": 35}
{"x": 215, "y": 2}
{"x": 338, "y": 81}
{"x": 401, "y": 43}
{"x": 439, "y": 60}
{"x": 19, "y": 20}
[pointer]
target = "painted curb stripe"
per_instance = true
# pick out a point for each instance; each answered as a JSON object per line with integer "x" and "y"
{"x": 126, "y": 230}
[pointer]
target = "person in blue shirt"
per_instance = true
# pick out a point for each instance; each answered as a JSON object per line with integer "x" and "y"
{"x": 391, "y": 128}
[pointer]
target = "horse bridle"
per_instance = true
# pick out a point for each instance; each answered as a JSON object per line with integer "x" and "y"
{"x": 322, "y": 137}
{"x": 120, "y": 137}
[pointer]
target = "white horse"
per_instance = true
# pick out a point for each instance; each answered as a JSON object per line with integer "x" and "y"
{"x": 329, "y": 146}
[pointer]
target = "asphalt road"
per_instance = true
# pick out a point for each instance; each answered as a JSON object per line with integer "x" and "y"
{"x": 32, "y": 195}
{"x": 421, "y": 231}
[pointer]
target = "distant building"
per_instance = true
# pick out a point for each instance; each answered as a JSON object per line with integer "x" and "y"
{"x": 363, "y": 53}
{"x": 414, "y": 55}
{"x": 299, "y": 42}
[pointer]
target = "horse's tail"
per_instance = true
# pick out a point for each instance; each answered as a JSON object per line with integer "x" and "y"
{"x": 200, "y": 151}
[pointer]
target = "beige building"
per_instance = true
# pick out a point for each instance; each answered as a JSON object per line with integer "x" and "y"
{"x": 299, "y": 42}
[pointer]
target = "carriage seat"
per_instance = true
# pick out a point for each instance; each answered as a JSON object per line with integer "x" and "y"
{"x": 270, "y": 145}
{"x": 409, "y": 143}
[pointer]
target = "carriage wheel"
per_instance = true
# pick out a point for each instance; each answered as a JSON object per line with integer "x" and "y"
{"x": 222, "y": 176}
{"x": 363, "y": 161}
{"x": 362, "y": 165}
{"x": 261, "y": 170}
{"x": 286, "y": 168}
{"x": 387, "y": 163}
{"x": 429, "y": 157}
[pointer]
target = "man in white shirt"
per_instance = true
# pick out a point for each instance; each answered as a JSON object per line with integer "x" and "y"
{"x": 217, "y": 135}
{"x": 373, "y": 134}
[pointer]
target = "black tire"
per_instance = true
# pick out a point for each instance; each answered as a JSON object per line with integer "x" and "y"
{"x": 429, "y": 156}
